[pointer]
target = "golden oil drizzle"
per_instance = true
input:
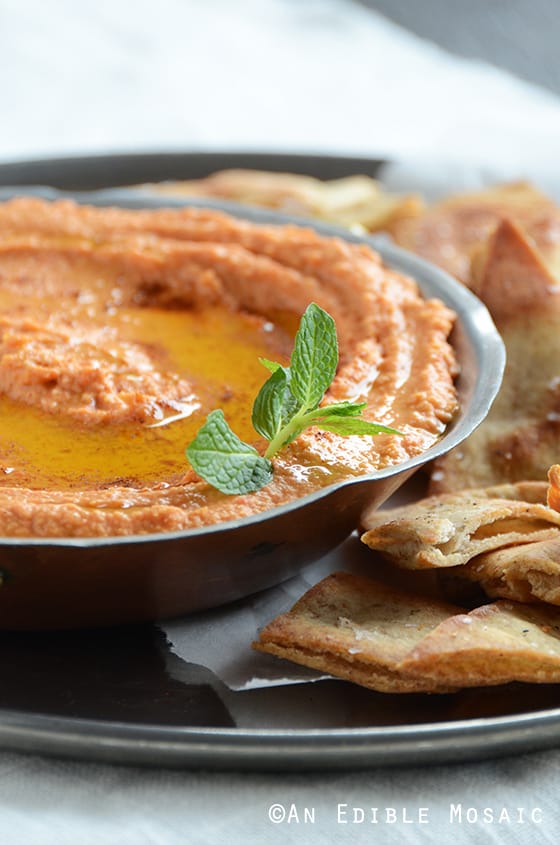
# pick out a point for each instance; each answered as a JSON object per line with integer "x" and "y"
{"x": 216, "y": 349}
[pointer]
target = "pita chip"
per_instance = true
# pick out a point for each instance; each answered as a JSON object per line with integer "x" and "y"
{"x": 389, "y": 640}
{"x": 520, "y": 438}
{"x": 494, "y": 644}
{"x": 356, "y": 629}
{"x": 350, "y": 201}
{"x": 450, "y": 529}
{"x": 535, "y": 492}
{"x": 452, "y": 232}
{"x": 525, "y": 573}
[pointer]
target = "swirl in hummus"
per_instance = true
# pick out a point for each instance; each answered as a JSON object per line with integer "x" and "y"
{"x": 120, "y": 330}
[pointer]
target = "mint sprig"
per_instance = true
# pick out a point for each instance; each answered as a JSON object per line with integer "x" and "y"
{"x": 287, "y": 404}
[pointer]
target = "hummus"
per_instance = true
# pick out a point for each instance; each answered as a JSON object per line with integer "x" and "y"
{"x": 121, "y": 330}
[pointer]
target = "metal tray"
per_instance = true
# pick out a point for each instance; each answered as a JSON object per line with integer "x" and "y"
{"x": 120, "y": 695}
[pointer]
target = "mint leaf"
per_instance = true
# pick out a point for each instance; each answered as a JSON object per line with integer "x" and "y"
{"x": 270, "y": 365}
{"x": 267, "y": 410}
{"x": 315, "y": 357}
{"x": 224, "y": 461}
{"x": 353, "y": 425}
{"x": 338, "y": 409}
{"x": 275, "y": 404}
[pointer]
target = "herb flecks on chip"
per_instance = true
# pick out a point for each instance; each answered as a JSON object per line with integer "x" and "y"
{"x": 287, "y": 404}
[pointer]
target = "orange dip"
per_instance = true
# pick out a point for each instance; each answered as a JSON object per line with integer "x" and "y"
{"x": 121, "y": 330}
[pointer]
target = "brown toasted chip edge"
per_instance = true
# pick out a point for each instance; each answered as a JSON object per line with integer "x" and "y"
{"x": 374, "y": 677}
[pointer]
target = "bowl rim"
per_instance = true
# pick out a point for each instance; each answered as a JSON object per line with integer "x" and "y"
{"x": 473, "y": 316}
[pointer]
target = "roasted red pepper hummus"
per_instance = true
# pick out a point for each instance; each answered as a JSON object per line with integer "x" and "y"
{"x": 121, "y": 330}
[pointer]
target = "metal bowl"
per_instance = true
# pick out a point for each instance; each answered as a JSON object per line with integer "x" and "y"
{"x": 74, "y": 582}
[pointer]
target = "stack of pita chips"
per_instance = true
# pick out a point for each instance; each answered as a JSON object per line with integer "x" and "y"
{"x": 505, "y": 538}
{"x": 504, "y": 243}
{"x": 520, "y": 438}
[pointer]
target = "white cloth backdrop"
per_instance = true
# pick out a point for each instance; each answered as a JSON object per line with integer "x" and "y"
{"x": 265, "y": 74}
{"x": 293, "y": 75}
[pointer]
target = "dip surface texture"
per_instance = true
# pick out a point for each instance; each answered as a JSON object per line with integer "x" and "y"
{"x": 121, "y": 330}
